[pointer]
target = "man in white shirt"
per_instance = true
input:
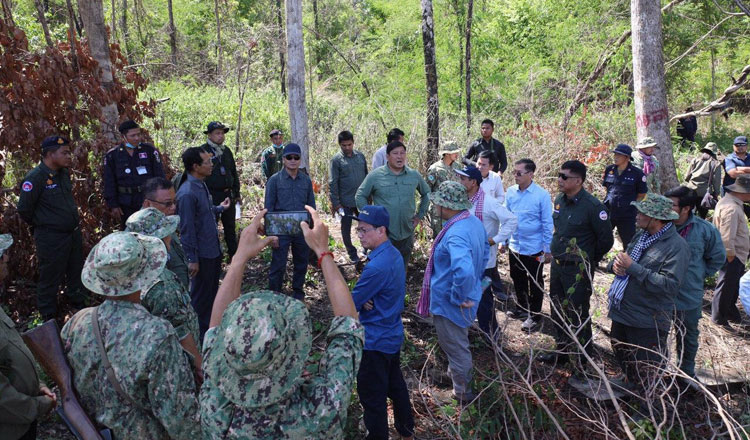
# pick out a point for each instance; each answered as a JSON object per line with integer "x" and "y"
{"x": 499, "y": 224}
{"x": 492, "y": 182}
{"x": 380, "y": 158}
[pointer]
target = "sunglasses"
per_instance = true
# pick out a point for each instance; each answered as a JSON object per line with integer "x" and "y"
{"x": 520, "y": 173}
{"x": 291, "y": 157}
{"x": 565, "y": 176}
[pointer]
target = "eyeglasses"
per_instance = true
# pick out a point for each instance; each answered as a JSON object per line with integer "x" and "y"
{"x": 168, "y": 204}
{"x": 291, "y": 157}
{"x": 564, "y": 176}
{"x": 363, "y": 231}
{"x": 520, "y": 173}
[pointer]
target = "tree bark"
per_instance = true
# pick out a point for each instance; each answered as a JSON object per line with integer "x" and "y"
{"x": 8, "y": 12}
{"x": 43, "y": 21}
{"x": 113, "y": 29}
{"x": 282, "y": 73}
{"x": 72, "y": 36}
{"x": 469, "y": 18}
{"x": 219, "y": 48}
{"x": 92, "y": 15}
{"x": 172, "y": 34}
{"x": 650, "y": 92}
{"x": 125, "y": 34}
{"x": 430, "y": 69}
{"x": 296, "y": 77}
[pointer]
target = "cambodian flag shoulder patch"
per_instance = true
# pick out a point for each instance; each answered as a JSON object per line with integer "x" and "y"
{"x": 27, "y": 186}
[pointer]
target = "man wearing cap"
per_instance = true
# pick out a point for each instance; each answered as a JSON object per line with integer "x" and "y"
{"x": 348, "y": 170}
{"x": 731, "y": 221}
{"x": 499, "y": 224}
{"x": 379, "y": 299}
{"x": 393, "y": 186}
{"x": 583, "y": 235}
{"x": 270, "y": 159}
{"x": 167, "y": 298}
{"x": 492, "y": 182}
{"x": 439, "y": 172}
{"x": 736, "y": 164}
{"x": 380, "y": 157}
{"x": 707, "y": 255}
{"x": 289, "y": 190}
{"x": 488, "y": 143}
{"x": 625, "y": 183}
{"x": 644, "y": 159}
{"x": 224, "y": 181}
{"x": 704, "y": 176}
{"x": 23, "y": 398}
{"x": 46, "y": 203}
{"x": 128, "y": 366}
{"x": 452, "y": 286}
{"x": 200, "y": 236}
{"x": 126, "y": 168}
{"x": 643, "y": 293}
{"x": 255, "y": 353}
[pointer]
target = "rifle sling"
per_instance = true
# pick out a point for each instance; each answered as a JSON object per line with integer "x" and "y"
{"x": 105, "y": 361}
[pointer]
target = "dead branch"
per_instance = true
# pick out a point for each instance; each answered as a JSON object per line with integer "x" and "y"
{"x": 742, "y": 7}
{"x": 670, "y": 64}
{"x": 718, "y": 104}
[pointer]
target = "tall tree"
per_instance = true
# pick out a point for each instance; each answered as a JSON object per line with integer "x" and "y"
{"x": 650, "y": 91}
{"x": 469, "y": 18}
{"x": 92, "y": 15}
{"x": 43, "y": 21}
{"x": 430, "y": 70}
{"x": 172, "y": 34}
{"x": 125, "y": 34}
{"x": 282, "y": 73}
{"x": 7, "y": 11}
{"x": 219, "y": 47}
{"x": 296, "y": 77}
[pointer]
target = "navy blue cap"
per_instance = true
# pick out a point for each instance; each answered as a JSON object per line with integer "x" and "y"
{"x": 740, "y": 140}
{"x": 471, "y": 173}
{"x": 214, "y": 125}
{"x": 53, "y": 142}
{"x": 127, "y": 125}
{"x": 625, "y": 150}
{"x": 291, "y": 149}
{"x": 375, "y": 215}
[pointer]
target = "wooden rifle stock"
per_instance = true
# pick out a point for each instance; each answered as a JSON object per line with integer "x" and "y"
{"x": 46, "y": 345}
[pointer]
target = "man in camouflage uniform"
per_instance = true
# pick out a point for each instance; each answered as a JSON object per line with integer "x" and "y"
{"x": 645, "y": 159}
{"x": 270, "y": 159}
{"x": 148, "y": 391}
{"x": 256, "y": 348}
{"x": 439, "y": 172}
{"x": 167, "y": 298}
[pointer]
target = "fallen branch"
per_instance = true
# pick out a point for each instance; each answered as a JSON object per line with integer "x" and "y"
{"x": 719, "y": 104}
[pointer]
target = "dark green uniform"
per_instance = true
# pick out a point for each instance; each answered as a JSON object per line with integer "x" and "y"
{"x": 270, "y": 160}
{"x": 46, "y": 203}
{"x": 222, "y": 183}
{"x": 584, "y": 219}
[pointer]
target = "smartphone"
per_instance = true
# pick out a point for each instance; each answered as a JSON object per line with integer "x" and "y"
{"x": 286, "y": 222}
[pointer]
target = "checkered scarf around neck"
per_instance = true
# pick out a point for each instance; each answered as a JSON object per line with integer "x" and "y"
{"x": 648, "y": 163}
{"x": 478, "y": 202}
{"x": 617, "y": 289}
{"x": 423, "y": 306}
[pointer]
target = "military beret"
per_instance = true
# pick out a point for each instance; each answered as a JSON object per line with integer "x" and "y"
{"x": 53, "y": 142}
{"x": 127, "y": 125}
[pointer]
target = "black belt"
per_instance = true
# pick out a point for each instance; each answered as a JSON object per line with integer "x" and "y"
{"x": 129, "y": 189}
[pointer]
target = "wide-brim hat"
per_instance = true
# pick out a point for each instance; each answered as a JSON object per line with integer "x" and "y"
{"x": 449, "y": 147}
{"x": 214, "y": 125}
{"x": 123, "y": 263}
{"x": 451, "y": 195}
{"x": 623, "y": 149}
{"x": 656, "y": 206}
{"x": 152, "y": 222}
{"x": 6, "y": 240}
{"x": 740, "y": 185}
{"x": 711, "y": 148}
{"x": 647, "y": 142}
{"x": 260, "y": 349}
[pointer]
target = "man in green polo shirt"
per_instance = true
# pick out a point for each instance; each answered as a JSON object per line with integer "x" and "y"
{"x": 393, "y": 187}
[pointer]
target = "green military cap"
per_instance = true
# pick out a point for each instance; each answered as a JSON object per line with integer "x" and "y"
{"x": 646, "y": 143}
{"x": 449, "y": 147}
{"x": 451, "y": 195}
{"x": 656, "y": 206}
{"x": 151, "y": 222}
{"x": 711, "y": 148}
{"x": 123, "y": 263}
{"x": 261, "y": 345}
{"x": 5, "y": 241}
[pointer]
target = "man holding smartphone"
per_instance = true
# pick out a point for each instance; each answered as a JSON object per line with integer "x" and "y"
{"x": 289, "y": 190}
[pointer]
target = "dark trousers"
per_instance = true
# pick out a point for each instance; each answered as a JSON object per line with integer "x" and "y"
{"x": 405, "y": 248}
{"x": 527, "y": 273}
{"x": 346, "y": 233}
{"x": 626, "y": 228}
{"x": 639, "y": 351}
{"x": 574, "y": 307}
{"x": 60, "y": 257}
{"x": 486, "y": 311}
{"x": 701, "y": 211}
{"x": 724, "y": 303}
{"x": 203, "y": 288}
{"x": 300, "y": 253}
{"x": 379, "y": 378}
{"x": 686, "y": 334}
{"x": 227, "y": 220}
{"x": 31, "y": 433}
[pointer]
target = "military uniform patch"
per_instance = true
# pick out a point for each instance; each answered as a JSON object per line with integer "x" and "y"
{"x": 143, "y": 155}
{"x": 603, "y": 215}
{"x": 27, "y": 186}
{"x": 644, "y": 177}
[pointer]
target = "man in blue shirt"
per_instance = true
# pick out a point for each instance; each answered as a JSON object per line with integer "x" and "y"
{"x": 452, "y": 286}
{"x": 737, "y": 164}
{"x": 529, "y": 244}
{"x": 199, "y": 234}
{"x": 379, "y": 299}
{"x": 625, "y": 183}
{"x": 289, "y": 190}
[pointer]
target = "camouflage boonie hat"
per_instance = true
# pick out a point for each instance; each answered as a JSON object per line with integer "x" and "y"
{"x": 656, "y": 206}
{"x": 261, "y": 345}
{"x": 5, "y": 241}
{"x": 451, "y": 195}
{"x": 152, "y": 222}
{"x": 711, "y": 148}
{"x": 123, "y": 263}
{"x": 646, "y": 143}
{"x": 449, "y": 147}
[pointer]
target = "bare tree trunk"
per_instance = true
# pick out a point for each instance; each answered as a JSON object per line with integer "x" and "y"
{"x": 469, "y": 17}
{"x": 650, "y": 92}
{"x": 315, "y": 62}
{"x": 92, "y": 14}
{"x": 430, "y": 69}
{"x": 172, "y": 34}
{"x": 713, "y": 88}
{"x": 8, "y": 12}
{"x": 125, "y": 34}
{"x": 72, "y": 36}
{"x": 113, "y": 26}
{"x": 282, "y": 73}
{"x": 219, "y": 48}
{"x": 43, "y": 21}
{"x": 296, "y": 77}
